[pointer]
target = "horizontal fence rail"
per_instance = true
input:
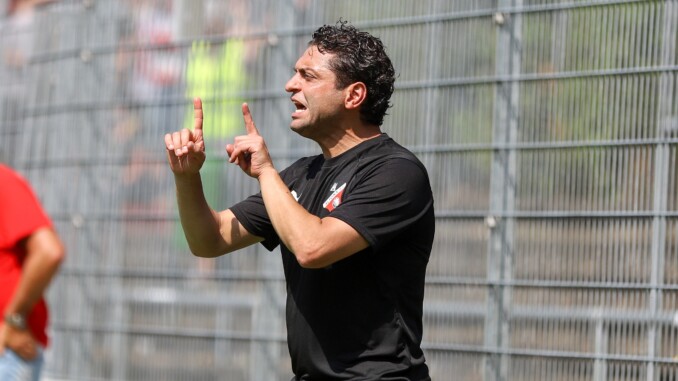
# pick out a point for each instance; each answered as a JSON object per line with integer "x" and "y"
{"x": 549, "y": 129}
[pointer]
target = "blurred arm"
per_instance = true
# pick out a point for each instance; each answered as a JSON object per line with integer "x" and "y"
{"x": 44, "y": 255}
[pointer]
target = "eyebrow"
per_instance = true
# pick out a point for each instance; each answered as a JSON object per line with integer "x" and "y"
{"x": 306, "y": 69}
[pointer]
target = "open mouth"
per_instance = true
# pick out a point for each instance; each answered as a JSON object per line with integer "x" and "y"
{"x": 299, "y": 106}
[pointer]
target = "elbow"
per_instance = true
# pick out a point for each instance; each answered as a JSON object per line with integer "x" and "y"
{"x": 204, "y": 253}
{"x": 311, "y": 258}
{"x": 208, "y": 251}
{"x": 45, "y": 246}
{"x": 199, "y": 254}
{"x": 309, "y": 263}
{"x": 55, "y": 255}
{"x": 203, "y": 247}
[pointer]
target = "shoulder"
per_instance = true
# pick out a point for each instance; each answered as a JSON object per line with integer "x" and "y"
{"x": 386, "y": 154}
{"x": 387, "y": 170}
{"x": 11, "y": 180}
{"x": 303, "y": 165}
{"x": 7, "y": 173}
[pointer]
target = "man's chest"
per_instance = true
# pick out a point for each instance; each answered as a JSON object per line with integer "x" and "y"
{"x": 325, "y": 191}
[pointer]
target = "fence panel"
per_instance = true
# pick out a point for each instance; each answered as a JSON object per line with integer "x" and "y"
{"x": 549, "y": 128}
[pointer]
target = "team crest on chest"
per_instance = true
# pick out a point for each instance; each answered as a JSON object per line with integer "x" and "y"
{"x": 335, "y": 198}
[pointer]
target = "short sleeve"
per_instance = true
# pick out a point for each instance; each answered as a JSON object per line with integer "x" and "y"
{"x": 21, "y": 211}
{"x": 386, "y": 200}
{"x": 251, "y": 213}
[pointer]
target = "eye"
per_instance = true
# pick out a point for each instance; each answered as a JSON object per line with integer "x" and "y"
{"x": 305, "y": 74}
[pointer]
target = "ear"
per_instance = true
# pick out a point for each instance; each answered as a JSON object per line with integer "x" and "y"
{"x": 355, "y": 95}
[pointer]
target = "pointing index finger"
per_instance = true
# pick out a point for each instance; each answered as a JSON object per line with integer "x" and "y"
{"x": 249, "y": 123}
{"x": 197, "y": 113}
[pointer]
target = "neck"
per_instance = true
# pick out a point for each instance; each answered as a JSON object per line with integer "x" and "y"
{"x": 342, "y": 140}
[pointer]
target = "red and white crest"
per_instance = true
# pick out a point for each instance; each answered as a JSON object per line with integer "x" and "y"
{"x": 335, "y": 198}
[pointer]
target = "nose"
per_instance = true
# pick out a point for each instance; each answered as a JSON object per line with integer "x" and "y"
{"x": 292, "y": 85}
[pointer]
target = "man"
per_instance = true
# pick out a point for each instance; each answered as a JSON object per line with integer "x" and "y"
{"x": 355, "y": 224}
{"x": 30, "y": 255}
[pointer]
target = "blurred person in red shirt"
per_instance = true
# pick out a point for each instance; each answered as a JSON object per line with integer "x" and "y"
{"x": 30, "y": 255}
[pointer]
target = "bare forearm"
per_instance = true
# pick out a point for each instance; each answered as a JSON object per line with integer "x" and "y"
{"x": 45, "y": 254}
{"x": 199, "y": 221}
{"x": 298, "y": 229}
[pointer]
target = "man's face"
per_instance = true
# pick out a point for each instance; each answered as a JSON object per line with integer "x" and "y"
{"x": 317, "y": 100}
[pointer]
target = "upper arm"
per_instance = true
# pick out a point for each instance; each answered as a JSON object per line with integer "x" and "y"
{"x": 233, "y": 233}
{"x": 332, "y": 242}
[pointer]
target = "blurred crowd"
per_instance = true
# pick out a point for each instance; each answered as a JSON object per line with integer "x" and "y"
{"x": 166, "y": 53}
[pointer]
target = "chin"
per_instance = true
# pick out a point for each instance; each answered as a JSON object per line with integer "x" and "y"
{"x": 297, "y": 126}
{"x": 301, "y": 130}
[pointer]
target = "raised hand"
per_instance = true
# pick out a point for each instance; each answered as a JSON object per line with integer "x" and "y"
{"x": 186, "y": 148}
{"x": 249, "y": 151}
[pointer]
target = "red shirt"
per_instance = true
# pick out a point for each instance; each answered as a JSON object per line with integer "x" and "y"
{"x": 20, "y": 216}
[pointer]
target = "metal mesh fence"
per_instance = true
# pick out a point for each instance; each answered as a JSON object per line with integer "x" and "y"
{"x": 549, "y": 128}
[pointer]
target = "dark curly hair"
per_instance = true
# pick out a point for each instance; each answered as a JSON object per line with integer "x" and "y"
{"x": 359, "y": 57}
